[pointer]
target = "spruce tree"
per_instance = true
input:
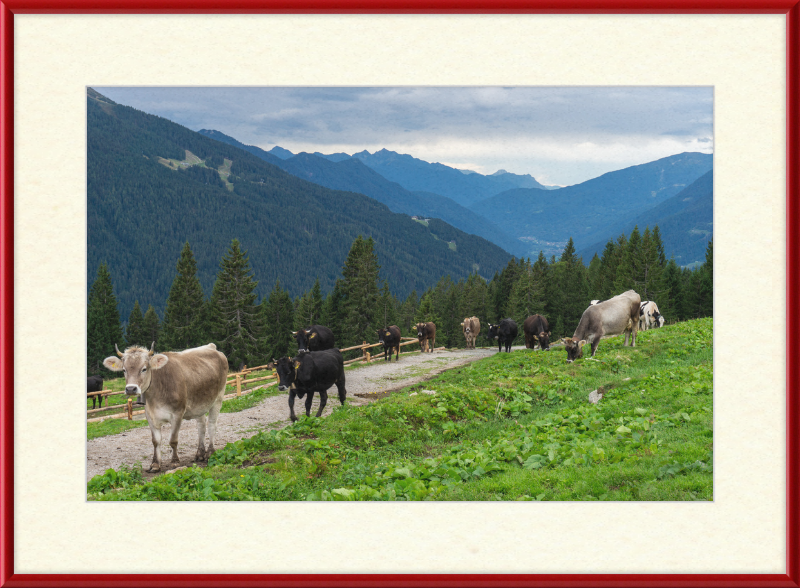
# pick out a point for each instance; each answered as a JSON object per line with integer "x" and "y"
{"x": 673, "y": 310}
{"x": 183, "y": 324}
{"x": 237, "y": 323}
{"x": 277, "y": 312}
{"x": 625, "y": 270}
{"x": 151, "y": 327}
{"x": 527, "y": 296}
{"x": 103, "y": 327}
{"x": 360, "y": 289}
{"x": 574, "y": 284}
{"x": 386, "y": 309}
{"x": 408, "y": 309}
{"x": 308, "y": 311}
{"x": 134, "y": 331}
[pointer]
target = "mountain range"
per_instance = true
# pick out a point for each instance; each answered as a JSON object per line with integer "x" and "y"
{"x": 527, "y": 218}
{"x": 153, "y": 185}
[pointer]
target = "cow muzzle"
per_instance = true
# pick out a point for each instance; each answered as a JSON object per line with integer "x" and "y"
{"x": 133, "y": 390}
{"x": 283, "y": 388}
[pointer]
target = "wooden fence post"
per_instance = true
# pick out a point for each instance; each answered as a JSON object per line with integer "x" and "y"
{"x": 238, "y": 385}
{"x": 130, "y": 409}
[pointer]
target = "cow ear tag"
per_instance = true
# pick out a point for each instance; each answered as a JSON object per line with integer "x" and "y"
{"x": 312, "y": 335}
{"x": 296, "y": 364}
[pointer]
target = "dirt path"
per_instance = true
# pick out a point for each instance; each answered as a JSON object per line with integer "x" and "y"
{"x": 364, "y": 385}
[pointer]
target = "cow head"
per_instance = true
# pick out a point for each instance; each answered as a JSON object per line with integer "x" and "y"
{"x": 137, "y": 364}
{"x": 658, "y": 318}
{"x": 420, "y": 330}
{"x": 467, "y": 326}
{"x": 574, "y": 348}
{"x": 544, "y": 340}
{"x": 383, "y": 334}
{"x": 493, "y": 332}
{"x": 285, "y": 367}
{"x": 302, "y": 338}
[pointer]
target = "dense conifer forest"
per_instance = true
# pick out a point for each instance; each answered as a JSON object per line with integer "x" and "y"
{"x": 255, "y": 331}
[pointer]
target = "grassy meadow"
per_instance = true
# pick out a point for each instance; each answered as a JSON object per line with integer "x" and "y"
{"x": 513, "y": 426}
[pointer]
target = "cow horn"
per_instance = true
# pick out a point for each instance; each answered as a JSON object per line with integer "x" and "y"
{"x": 152, "y": 348}
{"x": 117, "y": 348}
{"x": 294, "y": 332}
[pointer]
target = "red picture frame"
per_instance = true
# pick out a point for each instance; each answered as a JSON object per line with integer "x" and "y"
{"x": 8, "y": 8}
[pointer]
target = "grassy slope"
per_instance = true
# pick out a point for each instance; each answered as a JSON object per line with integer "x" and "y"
{"x": 509, "y": 427}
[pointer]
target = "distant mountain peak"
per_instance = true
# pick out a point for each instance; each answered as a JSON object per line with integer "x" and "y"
{"x": 279, "y": 151}
{"x": 500, "y": 172}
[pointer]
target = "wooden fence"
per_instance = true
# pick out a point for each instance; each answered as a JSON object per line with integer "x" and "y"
{"x": 237, "y": 379}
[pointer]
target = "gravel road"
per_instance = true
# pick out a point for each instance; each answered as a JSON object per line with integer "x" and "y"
{"x": 364, "y": 384}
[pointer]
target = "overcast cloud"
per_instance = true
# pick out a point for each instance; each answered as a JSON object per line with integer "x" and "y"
{"x": 559, "y": 135}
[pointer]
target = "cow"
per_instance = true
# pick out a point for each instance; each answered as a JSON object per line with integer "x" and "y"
{"x": 390, "y": 338}
{"x": 95, "y": 384}
{"x": 309, "y": 372}
{"x": 314, "y": 338}
{"x": 472, "y": 328}
{"x": 649, "y": 316}
{"x": 176, "y": 386}
{"x": 426, "y": 334}
{"x": 505, "y": 332}
{"x": 536, "y": 330}
{"x": 614, "y": 316}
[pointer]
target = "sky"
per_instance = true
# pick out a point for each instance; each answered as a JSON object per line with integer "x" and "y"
{"x": 559, "y": 135}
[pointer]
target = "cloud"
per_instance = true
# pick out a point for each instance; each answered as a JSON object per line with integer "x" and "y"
{"x": 563, "y": 133}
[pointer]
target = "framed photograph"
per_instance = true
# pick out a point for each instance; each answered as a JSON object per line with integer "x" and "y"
{"x": 52, "y": 54}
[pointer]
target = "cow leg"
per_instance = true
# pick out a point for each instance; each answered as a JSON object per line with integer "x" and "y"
{"x": 340, "y": 388}
{"x": 155, "y": 433}
{"x": 175, "y": 428}
{"x": 291, "y": 405}
{"x": 100, "y": 401}
{"x": 595, "y": 343}
{"x": 202, "y": 422}
{"x": 323, "y": 400}
{"x": 213, "y": 414}
{"x": 94, "y": 401}
{"x": 397, "y": 355}
{"x": 309, "y": 399}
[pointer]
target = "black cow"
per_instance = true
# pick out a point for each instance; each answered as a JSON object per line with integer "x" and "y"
{"x": 505, "y": 332}
{"x": 390, "y": 337}
{"x": 95, "y": 384}
{"x": 315, "y": 338}
{"x": 426, "y": 334}
{"x": 309, "y": 372}
{"x": 536, "y": 329}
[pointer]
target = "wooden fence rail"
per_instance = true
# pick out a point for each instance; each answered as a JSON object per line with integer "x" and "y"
{"x": 236, "y": 379}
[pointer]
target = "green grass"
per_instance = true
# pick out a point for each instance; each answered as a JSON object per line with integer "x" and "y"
{"x": 513, "y": 426}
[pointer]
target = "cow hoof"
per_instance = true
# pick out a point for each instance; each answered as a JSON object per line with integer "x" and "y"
{"x": 199, "y": 456}
{"x": 175, "y": 460}
{"x": 294, "y": 418}
{"x": 154, "y": 468}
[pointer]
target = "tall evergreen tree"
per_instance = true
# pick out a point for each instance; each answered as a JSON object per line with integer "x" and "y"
{"x": 360, "y": 289}
{"x": 309, "y": 308}
{"x": 673, "y": 310}
{"x": 183, "y": 325}
{"x": 407, "y": 312}
{"x": 386, "y": 309}
{"x": 237, "y": 322}
{"x": 575, "y": 285}
{"x": 625, "y": 270}
{"x": 151, "y": 327}
{"x": 134, "y": 331}
{"x": 527, "y": 296}
{"x": 103, "y": 327}
{"x": 278, "y": 315}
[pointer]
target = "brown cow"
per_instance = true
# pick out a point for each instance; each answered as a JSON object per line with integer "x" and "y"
{"x": 426, "y": 332}
{"x": 176, "y": 386}
{"x": 536, "y": 330}
{"x": 471, "y": 327}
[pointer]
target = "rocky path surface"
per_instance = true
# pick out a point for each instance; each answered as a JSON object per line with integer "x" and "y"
{"x": 364, "y": 385}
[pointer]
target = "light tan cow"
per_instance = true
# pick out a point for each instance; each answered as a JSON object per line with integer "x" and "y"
{"x": 471, "y": 327}
{"x": 175, "y": 386}
{"x": 614, "y": 316}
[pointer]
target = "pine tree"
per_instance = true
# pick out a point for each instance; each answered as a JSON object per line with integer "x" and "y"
{"x": 277, "y": 312}
{"x": 647, "y": 271}
{"x": 103, "y": 327}
{"x": 134, "y": 331}
{"x": 625, "y": 270}
{"x": 406, "y": 315}
{"x": 360, "y": 289}
{"x": 386, "y": 309}
{"x": 151, "y": 327}
{"x": 308, "y": 310}
{"x": 527, "y": 296}
{"x": 673, "y": 310}
{"x": 237, "y": 323}
{"x": 574, "y": 283}
{"x": 183, "y": 324}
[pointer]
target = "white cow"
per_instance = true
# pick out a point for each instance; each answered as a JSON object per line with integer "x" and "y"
{"x": 649, "y": 316}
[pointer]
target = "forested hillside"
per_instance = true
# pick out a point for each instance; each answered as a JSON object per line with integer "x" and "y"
{"x": 345, "y": 173}
{"x": 592, "y": 211}
{"x": 154, "y": 185}
{"x": 686, "y": 222}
